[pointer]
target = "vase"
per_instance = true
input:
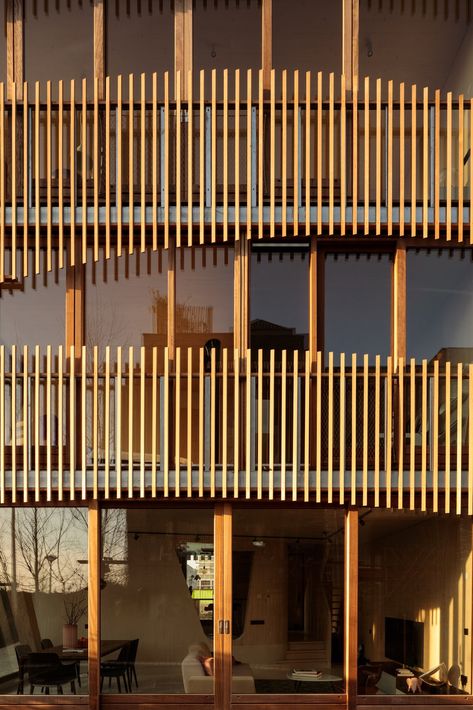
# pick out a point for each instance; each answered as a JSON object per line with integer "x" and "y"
{"x": 69, "y": 635}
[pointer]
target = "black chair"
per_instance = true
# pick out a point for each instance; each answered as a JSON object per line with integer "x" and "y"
{"x": 131, "y": 662}
{"x": 46, "y": 643}
{"x": 22, "y": 652}
{"x": 47, "y": 671}
{"x": 117, "y": 669}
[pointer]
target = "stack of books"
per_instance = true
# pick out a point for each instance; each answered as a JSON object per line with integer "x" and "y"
{"x": 301, "y": 673}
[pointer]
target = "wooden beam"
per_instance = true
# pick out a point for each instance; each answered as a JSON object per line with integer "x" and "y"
{"x": 316, "y": 300}
{"x": 267, "y": 43}
{"x": 183, "y": 41}
{"x": 351, "y": 605}
{"x": 94, "y": 606}
{"x": 99, "y": 47}
{"x": 350, "y": 41}
{"x": 75, "y": 307}
{"x": 398, "y": 304}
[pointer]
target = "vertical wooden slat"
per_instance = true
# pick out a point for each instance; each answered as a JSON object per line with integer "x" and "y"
{"x": 201, "y": 156}
{"x": 470, "y": 439}
{"x": 190, "y": 157}
{"x": 26, "y": 432}
{"x": 225, "y": 155}
{"x": 330, "y": 444}
{"x": 402, "y": 157}
{"x": 388, "y": 429}
{"x": 459, "y": 437}
{"x": 284, "y": 153}
{"x": 26, "y": 176}
{"x": 425, "y": 168}
{"x": 352, "y": 526}
{"x": 365, "y": 430}
{"x": 142, "y": 418}
{"x": 118, "y": 424}
{"x": 213, "y": 183}
{"x": 83, "y": 422}
{"x": 166, "y": 158}
{"x": 48, "y": 176}
{"x": 37, "y": 365}
{"x": 448, "y": 215}
{"x": 389, "y": 176}
{"x": 236, "y": 420}
{"x": 106, "y": 424}
{"x": 93, "y": 603}
{"x": 131, "y": 161}
{"x": 401, "y": 434}
{"x": 213, "y": 421}
{"x": 412, "y": 434}
{"x": 448, "y": 424}
{"x": 13, "y": 416}
{"x": 131, "y": 385}
{"x": 377, "y": 413}
{"x": 355, "y": 138}
{"x": 165, "y": 414}
{"x": 343, "y": 157}
{"x": 237, "y": 153}
{"x": 272, "y": 156}
{"x": 471, "y": 170}
{"x": 143, "y": 161}
{"x": 307, "y": 151}
{"x": 248, "y": 425}
{"x": 107, "y": 167}
{"x": 178, "y": 156}
{"x": 460, "y": 165}
{"x": 271, "y": 423}
{"x": 72, "y": 423}
{"x": 96, "y": 168}
{"x": 36, "y": 172}
{"x": 224, "y": 422}
{"x": 366, "y": 155}
{"x": 295, "y": 159}
{"x": 95, "y": 423}
{"x": 2, "y": 418}
{"x": 413, "y": 159}
{"x": 2, "y": 184}
{"x": 48, "y": 425}
{"x": 260, "y": 426}
{"x": 84, "y": 169}
{"x": 283, "y": 422}
{"x": 154, "y": 419}
{"x": 434, "y": 437}
{"x": 14, "y": 184}
{"x": 189, "y": 422}
{"x": 260, "y": 153}
{"x": 60, "y": 169}
{"x": 378, "y": 156}
{"x": 177, "y": 425}
{"x": 331, "y": 166}
{"x": 201, "y": 422}
{"x": 154, "y": 157}
{"x": 60, "y": 424}
{"x": 295, "y": 424}
{"x": 342, "y": 443}
{"x": 353, "y": 429}
{"x": 119, "y": 198}
{"x": 424, "y": 426}
{"x": 437, "y": 165}
{"x": 307, "y": 424}
{"x": 72, "y": 172}
{"x": 318, "y": 429}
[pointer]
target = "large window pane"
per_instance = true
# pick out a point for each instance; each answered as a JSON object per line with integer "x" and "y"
{"x": 288, "y": 601}
{"x": 157, "y": 597}
{"x": 414, "y": 603}
{"x": 43, "y": 600}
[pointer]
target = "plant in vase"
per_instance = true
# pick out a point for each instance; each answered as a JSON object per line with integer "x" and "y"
{"x": 75, "y": 609}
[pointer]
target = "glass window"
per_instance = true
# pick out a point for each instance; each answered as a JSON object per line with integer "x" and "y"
{"x": 43, "y": 600}
{"x": 440, "y": 294}
{"x": 288, "y": 600}
{"x": 157, "y": 596}
{"x": 414, "y": 603}
{"x": 358, "y": 304}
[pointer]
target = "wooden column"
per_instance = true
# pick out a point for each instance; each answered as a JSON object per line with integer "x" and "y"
{"x": 223, "y": 606}
{"x": 241, "y": 305}
{"x": 75, "y": 310}
{"x": 99, "y": 46}
{"x": 350, "y": 41}
{"x": 398, "y": 303}
{"x": 351, "y": 605}
{"x": 183, "y": 41}
{"x": 94, "y": 606}
{"x": 316, "y": 300}
{"x": 15, "y": 61}
{"x": 267, "y": 43}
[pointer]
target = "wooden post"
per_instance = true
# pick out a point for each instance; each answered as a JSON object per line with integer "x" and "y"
{"x": 99, "y": 46}
{"x": 316, "y": 301}
{"x": 15, "y": 63}
{"x": 398, "y": 304}
{"x": 351, "y": 605}
{"x": 75, "y": 309}
{"x": 183, "y": 44}
{"x": 267, "y": 44}
{"x": 350, "y": 42}
{"x": 94, "y": 605}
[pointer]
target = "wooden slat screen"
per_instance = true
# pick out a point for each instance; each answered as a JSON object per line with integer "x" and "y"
{"x": 157, "y": 166}
{"x": 133, "y": 423}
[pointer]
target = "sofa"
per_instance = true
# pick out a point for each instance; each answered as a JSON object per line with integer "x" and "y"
{"x": 195, "y": 679}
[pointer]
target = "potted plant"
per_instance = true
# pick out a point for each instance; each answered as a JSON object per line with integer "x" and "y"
{"x": 75, "y": 609}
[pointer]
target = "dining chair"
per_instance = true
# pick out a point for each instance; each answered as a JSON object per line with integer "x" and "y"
{"x": 46, "y": 643}
{"x": 47, "y": 671}
{"x": 131, "y": 662}
{"x": 22, "y": 652}
{"x": 117, "y": 669}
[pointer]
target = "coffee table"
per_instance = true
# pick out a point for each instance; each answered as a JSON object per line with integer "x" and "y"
{"x": 322, "y": 678}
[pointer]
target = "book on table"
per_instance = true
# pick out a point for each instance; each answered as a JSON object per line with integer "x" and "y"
{"x": 306, "y": 672}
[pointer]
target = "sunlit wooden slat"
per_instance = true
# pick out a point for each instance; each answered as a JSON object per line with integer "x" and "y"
{"x": 425, "y": 166}
{"x": 165, "y": 444}
{"x": 331, "y": 165}
{"x": 283, "y": 422}
{"x": 48, "y": 176}
{"x": 413, "y": 158}
{"x": 177, "y": 425}
{"x": 377, "y": 413}
{"x": 178, "y": 156}
{"x": 190, "y": 157}
{"x": 236, "y": 421}
{"x": 26, "y": 175}
{"x": 166, "y": 157}
{"x": 318, "y": 430}
{"x": 83, "y": 422}
{"x": 342, "y": 443}
{"x": 459, "y": 437}
{"x": 437, "y": 119}
{"x": 248, "y": 422}
{"x": 448, "y": 424}
{"x": 284, "y": 153}
{"x": 366, "y": 155}
{"x": 448, "y": 216}
{"x": 143, "y": 165}
{"x": 26, "y": 432}
{"x": 330, "y": 444}
{"x": 307, "y": 152}
{"x": 142, "y": 419}
{"x": 272, "y": 148}
{"x": 224, "y": 422}
{"x": 237, "y": 154}
{"x": 118, "y": 424}
{"x": 154, "y": 420}
{"x": 201, "y": 156}
{"x": 213, "y": 421}
{"x": 213, "y": 180}
{"x": 434, "y": 438}
{"x": 306, "y": 420}
{"x": 189, "y": 422}
{"x": 37, "y": 203}
{"x": 60, "y": 424}
{"x": 96, "y": 168}
{"x": 260, "y": 152}
{"x": 119, "y": 199}
{"x": 424, "y": 428}
{"x": 388, "y": 429}
{"x": 259, "y": 470}
{"x": 83, "y": 147}
{"x": 378, "y": 140}
{"x": 365, "y": 430}
{"x": 401, "y": 434}
{"x": 106, "y": 424}
{"x": 60, "y": 169}
{"x": 353, "y": 430}
{"x": 355, "y": 139}
{"x": 225, "y": 155}
{"x": 389, "y": 138}
{"x": 343, "y": 158}
{"x": 13, "y": 414}
{"x": 470, "y": 439}
{"x": 295, "y": 423}
{"x": 72, "y": 424}
{"x": 461, "y": 153}
{"x": 201, "y": 422}
{"x": 107, "y": 167}
{"x": 402, "y": 157}
{"x": 271, "y": 423}
{"x": 131, "y": 385}
{"x": 412, "y": 433}
{"x": 37, "y": 404}
{"x": 95, "y": 423}
{"x": 154, "y": 158}
{"x": 131, "y": 162}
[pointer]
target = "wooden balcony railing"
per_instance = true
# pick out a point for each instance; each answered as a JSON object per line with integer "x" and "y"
{"x": 133, "y": 423}
{"x": 229, "y": 160}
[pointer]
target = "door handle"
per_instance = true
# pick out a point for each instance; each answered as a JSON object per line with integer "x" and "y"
{"x": 221, "y": 626}
{"x": 227, "y": 626}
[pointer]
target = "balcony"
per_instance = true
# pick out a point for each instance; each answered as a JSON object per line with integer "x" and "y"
{"x": 232, "y": 159}
{"x": 134, "y": 422}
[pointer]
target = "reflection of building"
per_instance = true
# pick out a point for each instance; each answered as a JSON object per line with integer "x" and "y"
{"x": 236, "y": 380}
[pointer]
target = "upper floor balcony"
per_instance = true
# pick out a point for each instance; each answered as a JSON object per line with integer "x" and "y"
{"x": 225, "y": 157}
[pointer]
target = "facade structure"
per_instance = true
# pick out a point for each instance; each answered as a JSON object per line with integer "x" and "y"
{"x": 236, "y": 375}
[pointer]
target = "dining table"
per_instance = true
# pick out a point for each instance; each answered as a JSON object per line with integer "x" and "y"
{"x": 107, "y": 646}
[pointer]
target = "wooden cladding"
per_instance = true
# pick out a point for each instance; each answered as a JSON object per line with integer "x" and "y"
{"x": 132, "y": 423}
{"x": 227, "y": 160}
